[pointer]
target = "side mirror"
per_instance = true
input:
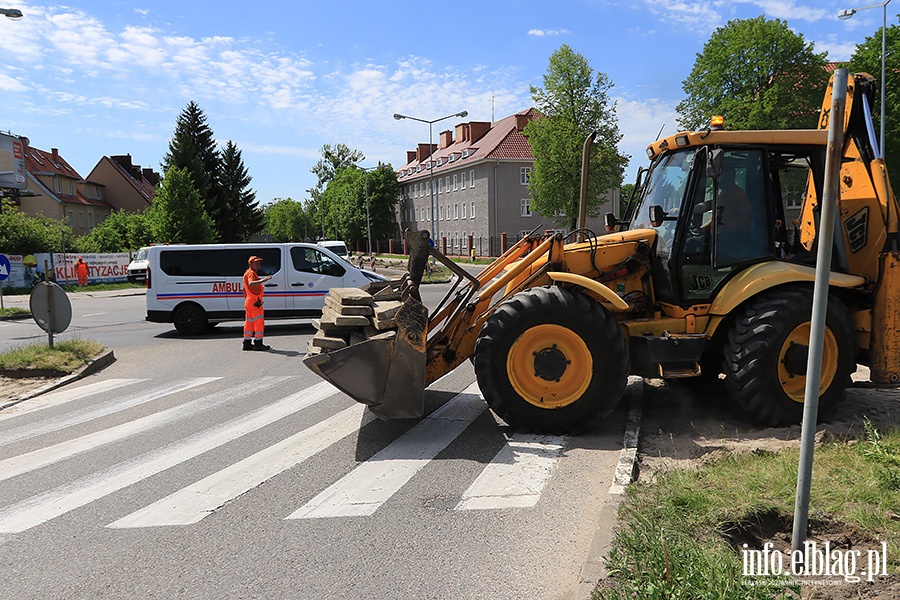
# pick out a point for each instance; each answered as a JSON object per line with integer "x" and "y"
{"x": 657, "y": 215}
{"x": 715, "y": 163}
{"x": 611, "y": 222}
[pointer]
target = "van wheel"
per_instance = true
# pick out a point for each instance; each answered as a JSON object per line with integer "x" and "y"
{"x": 190, "y": 319}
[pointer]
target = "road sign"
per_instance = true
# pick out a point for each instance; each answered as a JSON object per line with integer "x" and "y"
{"x": 50, "y": 307}
{"x": 4, "y": 267}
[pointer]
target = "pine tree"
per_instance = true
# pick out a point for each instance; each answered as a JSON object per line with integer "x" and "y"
{"x": 245, "y": 216}
{"x": 193, "y": 148}
{"x": 177, "y": 215}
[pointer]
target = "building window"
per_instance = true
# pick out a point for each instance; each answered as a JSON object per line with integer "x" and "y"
{"x": 448, "y": 212}
{"x": 463, "y": 215}
{"x": 57, "y": 185}
{"x": 440, "y": 185}
{"x": 472, "y": 212}
{"x": 441, "y": 212}
{"x": 81, "y": 219}
{"x": 71, "y": 218}
{"x": 465, "y": 180}
{"x": 526, "y": 210}
{"x": 71, "y": 188}
{"x": 448, "y": 183}
{"x": 455, "y": 182}
{"x": 524, "y": 174}
{"x": 472, "y": 178}
{"x": 456, "y": 211}
{"x": 90, "y": 220}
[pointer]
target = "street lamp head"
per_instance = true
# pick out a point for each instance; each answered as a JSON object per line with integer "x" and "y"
{"x": 846, "y": 13}
{"x": 11, "y": 13}
{"x": 463, "y": 114}
{"x": 398, "y": 116}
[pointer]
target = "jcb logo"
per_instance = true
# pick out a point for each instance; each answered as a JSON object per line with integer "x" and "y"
{"x": 857, "y": 228}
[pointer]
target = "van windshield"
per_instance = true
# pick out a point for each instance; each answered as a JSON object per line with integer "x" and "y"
{"x": 142, "y": 254}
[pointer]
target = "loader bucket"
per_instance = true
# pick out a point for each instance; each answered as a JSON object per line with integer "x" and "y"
{"x": 385, "y": 372}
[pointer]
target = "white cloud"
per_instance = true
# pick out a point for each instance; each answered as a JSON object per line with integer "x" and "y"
{"x": 545, "y": 32}
{"x": 11, "y": 84}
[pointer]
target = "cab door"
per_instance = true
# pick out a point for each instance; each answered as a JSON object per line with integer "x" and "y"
{"x": 310, "y": 275}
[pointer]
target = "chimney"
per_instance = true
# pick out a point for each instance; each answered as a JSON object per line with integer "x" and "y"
{"x": 123, "y": 161}
{"x": 461, "y": 130}
{"x": 55, "y": 153}
{"x": 446, "y": 139}
{"x": 522, "y": 120}
{"x": 136, "y": 172}
{"x": 424, "y": 151}
{"x": 150, "y": 176}
{"x": 478, "y": 129}
{"x": 410, "y": 156}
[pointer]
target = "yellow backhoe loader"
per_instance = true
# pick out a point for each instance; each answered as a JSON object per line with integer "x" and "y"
{"x": 711, "y": 278}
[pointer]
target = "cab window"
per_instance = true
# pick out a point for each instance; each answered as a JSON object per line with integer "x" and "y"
{"x": 310, "y": 260}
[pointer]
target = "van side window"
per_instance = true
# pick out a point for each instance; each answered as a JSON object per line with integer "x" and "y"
{"x": 309, "y": 260}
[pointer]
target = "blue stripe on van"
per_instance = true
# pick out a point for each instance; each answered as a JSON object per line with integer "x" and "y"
{"x": 199, "y": 295}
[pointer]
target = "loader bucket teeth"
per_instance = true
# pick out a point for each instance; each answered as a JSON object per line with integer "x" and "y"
{"x": 386, "y": 371}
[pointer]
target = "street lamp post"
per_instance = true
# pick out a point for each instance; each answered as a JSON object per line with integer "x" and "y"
{"x": 847, "y": 13}
{"x": 11, "y": 13}
{"x": 434, "y": 231}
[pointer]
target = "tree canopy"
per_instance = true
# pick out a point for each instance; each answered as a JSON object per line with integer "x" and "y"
{"x": 287, "y": 221}
{"x": 238, "y": 200}
{"x": 346, "y": 196}
{"x": 573, "y": 102}
{"x": 177, "y": 215}
{"x": 758, "y": 74}
{"x": 21, "y": 234}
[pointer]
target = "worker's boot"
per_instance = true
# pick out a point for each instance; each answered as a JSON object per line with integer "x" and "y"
{"x": 258, "y": 345}
{"x": 248, "y": 345}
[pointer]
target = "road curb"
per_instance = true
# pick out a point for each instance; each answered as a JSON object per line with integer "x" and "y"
{"x": 89, "y": 368}
{"x": 593, "y": 569}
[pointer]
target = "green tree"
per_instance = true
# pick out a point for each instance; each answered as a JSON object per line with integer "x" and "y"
{"x": 193, "y": 149}
{"x": 574, "y": 102}
{"x": 756, "y": 73}
{"x": 286, "y": 221}
{"x": 120, "y": 232}
{"x": 21, "y": 234}
{"x": 239, "y": 200}
{"x": 177, "y": 214}
{"x": 867, "y": 59}
{"x": 334, "y": 158}
{"x": 346, "y": 196}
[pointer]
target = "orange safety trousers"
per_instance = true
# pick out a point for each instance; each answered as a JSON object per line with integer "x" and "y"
{"x": 254, "y": 324}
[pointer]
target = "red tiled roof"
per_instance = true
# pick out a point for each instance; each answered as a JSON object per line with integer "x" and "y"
{"x": 503, "y": 141}
{"x": 40, "y": 161}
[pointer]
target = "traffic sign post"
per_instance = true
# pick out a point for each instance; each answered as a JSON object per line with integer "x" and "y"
{"x": 5, "y": 268}
{"x": 50, "y": 308}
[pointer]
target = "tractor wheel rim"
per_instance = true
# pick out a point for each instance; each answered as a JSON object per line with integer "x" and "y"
{"x": 792, "y": 379}
{"x": 549, "y": 366}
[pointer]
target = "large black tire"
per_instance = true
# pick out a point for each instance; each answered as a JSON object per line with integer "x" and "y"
{"x": 766, "y": 353}
{"x": 549, "y": 360}
{"x": 190, "y": 319}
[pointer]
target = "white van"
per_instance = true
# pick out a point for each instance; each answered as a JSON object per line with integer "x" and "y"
{"x": 339, "y": 248}
{"x": 194, "y": 286}
{"x": 137, "y": 268}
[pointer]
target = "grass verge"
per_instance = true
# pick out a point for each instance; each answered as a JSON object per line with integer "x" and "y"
{"x": 64, "y": 357}
{"x": 73, "y": 288}
{"x": 10, "y": 311}
{"x": 683, "y": 532}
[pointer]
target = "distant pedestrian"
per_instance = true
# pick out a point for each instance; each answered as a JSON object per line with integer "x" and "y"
{"x": 81, "y": 272}
{"x": 254, "y": 323}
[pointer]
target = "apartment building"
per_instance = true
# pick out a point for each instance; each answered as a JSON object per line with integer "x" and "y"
{"x": 127, "y": 185}
{"x": 480, "y": 175}
{"x": 56, "y": 190}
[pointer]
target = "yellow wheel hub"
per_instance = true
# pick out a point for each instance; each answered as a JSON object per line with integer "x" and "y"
{"x": 549, "y": 366}
{"x": 792, "y": 362}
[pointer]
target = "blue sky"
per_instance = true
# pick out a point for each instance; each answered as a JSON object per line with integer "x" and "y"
{"x": 281, "y": 79}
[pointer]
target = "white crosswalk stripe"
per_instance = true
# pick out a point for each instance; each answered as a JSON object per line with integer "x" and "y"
{"x": 365, "y": 489}
{"x": 195, "y": 502}
{"x": 113, "y": 406}
{"x": 515, "y": 478}
{"x": 61, "y": 397}
{"x": 42, "y": 457}
{"x": 53, "y": 503}
{"x": 517, "y": 475}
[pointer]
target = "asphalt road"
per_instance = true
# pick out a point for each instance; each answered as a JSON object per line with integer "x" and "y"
{"x": 190, "y": 469}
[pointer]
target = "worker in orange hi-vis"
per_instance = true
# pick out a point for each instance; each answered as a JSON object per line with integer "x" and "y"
{"x": 81, "y": 272}
{"x": 254, "y": 322}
